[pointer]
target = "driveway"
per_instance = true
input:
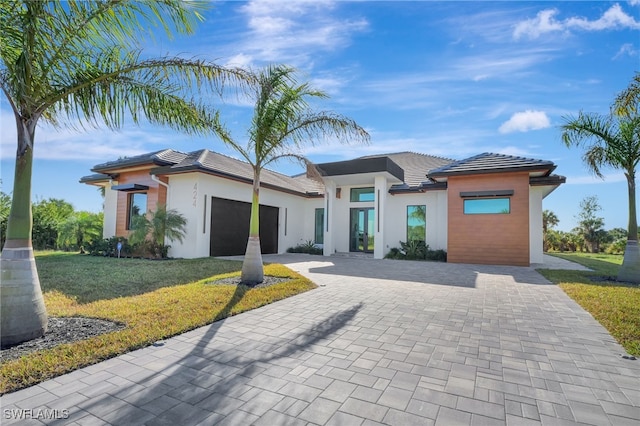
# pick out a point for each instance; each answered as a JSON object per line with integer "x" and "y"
{"x": 379, "y": 342}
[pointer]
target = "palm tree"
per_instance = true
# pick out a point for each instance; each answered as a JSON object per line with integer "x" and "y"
{"x": 158, "y": 225}
{"x": 282, "y": 122}
{"x": 613, "y": 140}
{"x": 549, "y": 221}
{"x": 76, "y": 63}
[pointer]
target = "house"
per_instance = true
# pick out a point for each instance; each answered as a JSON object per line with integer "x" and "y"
{"x": 483, "y": 209}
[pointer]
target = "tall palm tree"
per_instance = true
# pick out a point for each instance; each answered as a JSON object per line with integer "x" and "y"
{"x": 282, "y": 122}
{"x": 77, "y": 63}
{"x": 614, "y": 141}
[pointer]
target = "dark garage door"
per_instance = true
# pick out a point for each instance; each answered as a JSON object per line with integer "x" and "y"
{"x": 230, "y": 227}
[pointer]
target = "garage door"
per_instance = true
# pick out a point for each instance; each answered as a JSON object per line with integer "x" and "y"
{"x": 230, "y": 227}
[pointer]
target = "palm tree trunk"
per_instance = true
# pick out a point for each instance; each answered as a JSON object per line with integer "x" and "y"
{"x": 252, "y": 269}
{"x": 23, "y": 315}
{"x": 630, "y": 269}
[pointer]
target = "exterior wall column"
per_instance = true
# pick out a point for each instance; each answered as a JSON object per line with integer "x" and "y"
{"x": 110, "y": 209}
{"x": 328, "y": 247}
{"x": 535, "y": 225}
{"x": 380, "y": 201}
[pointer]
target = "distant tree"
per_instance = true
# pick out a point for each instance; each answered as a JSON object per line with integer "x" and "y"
{"x": 79, "y": 229}
{"x": 549, "y": 221}
{"x": 614, "y": 141}
{"x": 48, "y": 215}
{"x": 5, "y": 206}
{"x": 617, "y": 233}
{"x": 590, "y": 226}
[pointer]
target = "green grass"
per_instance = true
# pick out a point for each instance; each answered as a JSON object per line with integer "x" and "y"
{"x": 91, "y": 278}
{"x": 165, "y": 298}
{"x": 615, "y": 305}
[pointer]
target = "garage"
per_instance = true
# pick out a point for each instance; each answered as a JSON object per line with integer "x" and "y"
{"x": 230, "y": 227}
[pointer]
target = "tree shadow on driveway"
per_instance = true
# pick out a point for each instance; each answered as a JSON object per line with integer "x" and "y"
{"x": 438, "y": 273}
{"x": 216, "y": 376}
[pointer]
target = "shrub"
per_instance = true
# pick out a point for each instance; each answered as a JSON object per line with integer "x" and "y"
{"x": 416, "y": 250}
{"x": 308, "y": 247}
{"x": 109, "y": 247}
{"x": 617, "y": 247}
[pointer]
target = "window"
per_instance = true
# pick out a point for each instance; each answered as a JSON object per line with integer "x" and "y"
{"x": 416, "y": 223}
{"x": 487, "y": 206}
{"x": 137, "y": 206}
{"x": 362, "y": 194}
{"x": 319, "y": 228}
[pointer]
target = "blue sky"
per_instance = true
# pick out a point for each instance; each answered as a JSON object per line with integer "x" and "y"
{"x": 452, "y": 79}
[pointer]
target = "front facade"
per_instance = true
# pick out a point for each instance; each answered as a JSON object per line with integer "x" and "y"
{"x": 484, "y": 209}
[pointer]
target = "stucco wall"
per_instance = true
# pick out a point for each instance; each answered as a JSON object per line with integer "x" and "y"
{"x": 501, "y": 239}
{"x": 536, "y": 193}
{"x": 110, "y": 211}
{"x": 190, "y": 191}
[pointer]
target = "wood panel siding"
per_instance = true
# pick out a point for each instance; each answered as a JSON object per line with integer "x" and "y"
{"x": 498, "y": 239}
{"x": 157, "y": 194}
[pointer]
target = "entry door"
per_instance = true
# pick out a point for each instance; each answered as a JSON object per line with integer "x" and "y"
{"x": 362, "y": 229}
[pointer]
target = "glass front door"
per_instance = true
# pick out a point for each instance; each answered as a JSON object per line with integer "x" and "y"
{"x": 362, "y": 229}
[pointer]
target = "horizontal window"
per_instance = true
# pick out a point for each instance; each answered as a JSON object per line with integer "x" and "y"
{"x": 487, "y": 206}
{"x": 362, "y": 194}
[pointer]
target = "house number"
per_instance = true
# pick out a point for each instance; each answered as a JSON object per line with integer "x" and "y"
{"x": 195, "y": 194}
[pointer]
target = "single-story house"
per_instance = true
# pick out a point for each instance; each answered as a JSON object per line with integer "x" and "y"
{"x": 484, "y": 209}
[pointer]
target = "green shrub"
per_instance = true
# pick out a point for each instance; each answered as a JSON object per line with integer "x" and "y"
{"x": 616, "y": 247}
{"x": 307, "y": 247}
{"x": 416, "y": 250}
{"x": 109, "y": 247}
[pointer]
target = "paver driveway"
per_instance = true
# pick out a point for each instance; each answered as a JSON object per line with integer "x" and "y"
{"x": 380, "y": 342}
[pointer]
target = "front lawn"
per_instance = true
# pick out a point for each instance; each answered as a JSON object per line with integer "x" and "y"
{"x": 615, "y": 305}
{"x": 155, "y": 299}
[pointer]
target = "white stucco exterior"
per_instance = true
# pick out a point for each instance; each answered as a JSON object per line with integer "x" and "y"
{"x": 191, "y": 194}
{"x": 382, "y": 216}
{"x": 110, "y": 210}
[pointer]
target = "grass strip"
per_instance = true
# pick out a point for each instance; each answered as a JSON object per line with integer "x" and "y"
{"x": 615, "y": 305}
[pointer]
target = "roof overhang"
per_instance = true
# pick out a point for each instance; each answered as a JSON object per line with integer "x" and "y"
{"x": 98, "y": 179}
{"x": 130, "y": 187}
{"x": 534, "y": 171}
{"x": 549, "y": 183}
{"x": 361, "y": 171}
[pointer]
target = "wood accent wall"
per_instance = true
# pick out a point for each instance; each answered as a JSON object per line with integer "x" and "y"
{"x": 496, "y": 239}
{"x": 157, "y": 194}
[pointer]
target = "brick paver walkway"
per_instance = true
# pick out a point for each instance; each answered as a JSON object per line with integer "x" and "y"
{"x": 380, "y": 342}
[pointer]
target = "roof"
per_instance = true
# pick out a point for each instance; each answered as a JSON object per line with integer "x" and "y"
{"x": 222, "y": 165}
{"x": 162, "y": 157}
{"x": 415, "y": 165}
{"x": 492, "y": 163}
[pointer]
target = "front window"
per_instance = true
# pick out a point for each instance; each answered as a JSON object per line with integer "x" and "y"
{"x": 416, "y": 223}
{"x": 487, "y": 206}
{"x": 362, "y": 194}
{"x": 319, "y": 227}
{"x": 137, "y": 207}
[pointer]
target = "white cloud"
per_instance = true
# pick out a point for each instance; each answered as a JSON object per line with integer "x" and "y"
{"x": 293, "y": 32}
{"x": 525, "y": 121}
{"x": 545, "y": 22}
{"x": 626, "y": 49}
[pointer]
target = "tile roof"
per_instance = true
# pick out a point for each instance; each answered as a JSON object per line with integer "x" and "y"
{"x": 415, "y": 165}
{"x": 162, "y": 157}
{"x": 213, "y": 162}
{"x": 491, "y": 163}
